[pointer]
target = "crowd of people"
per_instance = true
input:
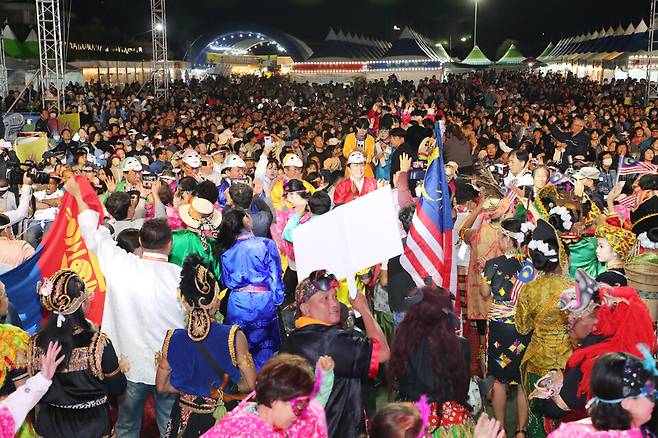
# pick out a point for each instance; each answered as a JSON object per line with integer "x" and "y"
{"x": 553, "y": 185}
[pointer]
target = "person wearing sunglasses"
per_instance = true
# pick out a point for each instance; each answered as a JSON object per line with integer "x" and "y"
{"x": 624, "y": 394}
{"x": 288, "y": 402}
{"x": 318, "y": 332}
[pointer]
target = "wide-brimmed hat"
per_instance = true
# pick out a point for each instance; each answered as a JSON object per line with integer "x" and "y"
{"x": 200, "y": 214}
{"x": 587, "y": 173}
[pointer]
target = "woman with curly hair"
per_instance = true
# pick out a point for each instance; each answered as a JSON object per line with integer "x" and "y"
{"x": 429, "y": 358}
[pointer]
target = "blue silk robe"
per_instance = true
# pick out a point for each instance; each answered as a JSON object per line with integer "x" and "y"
{"x": 254, "y": 262}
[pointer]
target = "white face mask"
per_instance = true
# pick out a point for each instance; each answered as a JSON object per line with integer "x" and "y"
{"x": 607, "y": 161}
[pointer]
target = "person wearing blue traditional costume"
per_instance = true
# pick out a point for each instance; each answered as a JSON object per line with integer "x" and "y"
{"x": 251, "y": 270}
{"x": 206, "y": 363}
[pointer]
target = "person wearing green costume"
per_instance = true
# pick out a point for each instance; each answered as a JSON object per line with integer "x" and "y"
{"x": 201, "y": 220}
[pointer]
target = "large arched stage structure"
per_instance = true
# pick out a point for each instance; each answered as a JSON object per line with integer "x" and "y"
{"x": 245, "y": 41}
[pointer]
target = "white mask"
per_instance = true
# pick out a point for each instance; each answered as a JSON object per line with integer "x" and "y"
{"x": 607, "y": 161}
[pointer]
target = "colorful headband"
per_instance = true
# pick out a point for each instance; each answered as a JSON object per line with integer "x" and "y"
{"x": 621, "y": 240}
{"x": 635, "y": 378}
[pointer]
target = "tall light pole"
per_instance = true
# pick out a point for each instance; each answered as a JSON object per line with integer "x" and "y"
{"x": 475, "y": 25}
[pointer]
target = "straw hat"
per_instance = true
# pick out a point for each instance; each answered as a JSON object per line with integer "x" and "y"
{"x": 200, "y": 214}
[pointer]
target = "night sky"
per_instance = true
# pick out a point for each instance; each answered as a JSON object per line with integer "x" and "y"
{"x": 532, "y": 23}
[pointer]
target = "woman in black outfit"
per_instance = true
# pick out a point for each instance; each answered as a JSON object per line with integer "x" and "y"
{"x": 76, "y": 405}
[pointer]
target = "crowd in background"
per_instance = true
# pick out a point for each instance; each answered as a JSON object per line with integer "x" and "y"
{"x": 552, "y": 183}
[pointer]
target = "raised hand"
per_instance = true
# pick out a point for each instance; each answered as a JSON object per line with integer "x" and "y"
{"x": 50, "y": 361}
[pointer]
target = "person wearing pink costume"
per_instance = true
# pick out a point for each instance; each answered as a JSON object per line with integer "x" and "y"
{"x": 289, "y": 402}
{"x": 624, "y": 394}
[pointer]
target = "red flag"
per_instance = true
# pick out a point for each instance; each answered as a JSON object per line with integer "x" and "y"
{"x": 63, "y": 247}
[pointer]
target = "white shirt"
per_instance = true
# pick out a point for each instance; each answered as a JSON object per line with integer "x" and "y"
{"x": 7, "y": 201}
{"x": 47, "y": 214}
{"x": 141, "y": 302}
{"x": 510, "y": 177}
{"x": 20, "y": 402}
{"x": 22, "y": 210}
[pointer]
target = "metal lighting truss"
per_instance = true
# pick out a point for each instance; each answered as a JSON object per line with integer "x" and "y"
{"x": 4, "y": 84}
{"x": 652, "y": 62}
{"x": 51, "y": 58}
{"x": 159, "y": 40}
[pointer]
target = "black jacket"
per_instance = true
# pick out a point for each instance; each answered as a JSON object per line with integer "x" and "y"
{"x": 353, "y": 352}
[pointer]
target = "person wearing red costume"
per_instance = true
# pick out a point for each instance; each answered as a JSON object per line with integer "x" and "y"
{"x": 357, "y": 184}
{"x": 603, "y": 319}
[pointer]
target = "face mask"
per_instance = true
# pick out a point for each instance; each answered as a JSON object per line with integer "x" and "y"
{"x": 607, "y": 161}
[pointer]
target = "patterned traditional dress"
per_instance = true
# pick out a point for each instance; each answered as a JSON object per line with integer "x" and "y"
{"x": 483, "y": 247}
{"x": 550, "y": 347}
{"x": 505, "y": 345}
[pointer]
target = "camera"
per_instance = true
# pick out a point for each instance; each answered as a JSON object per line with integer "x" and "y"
{"x": 15, "y": 172}
{"x": 148, "y": 179}
{"x": 417, "y": 172}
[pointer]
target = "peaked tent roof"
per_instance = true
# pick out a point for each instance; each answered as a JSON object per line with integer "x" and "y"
{"x": 512, "y": 56}
{"x": 347, "y": 47}
{"x": 13, "y": 47}
{"x": 546, "y": 51}
{"x": 411, "y": 46}
{"x": 442, "y": 52}
{"x": 604, "y": 45}
{"x": 476, "y": 57}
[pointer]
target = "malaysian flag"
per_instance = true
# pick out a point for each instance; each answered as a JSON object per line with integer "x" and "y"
{"x": 525, "y": 275}
{"x": 558, "y": 178}
{"x": 505, "y": 203}
{"x": 428, "y": 249}
{"x": 629, "y": 201}
{"x": 628, "y": 166}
